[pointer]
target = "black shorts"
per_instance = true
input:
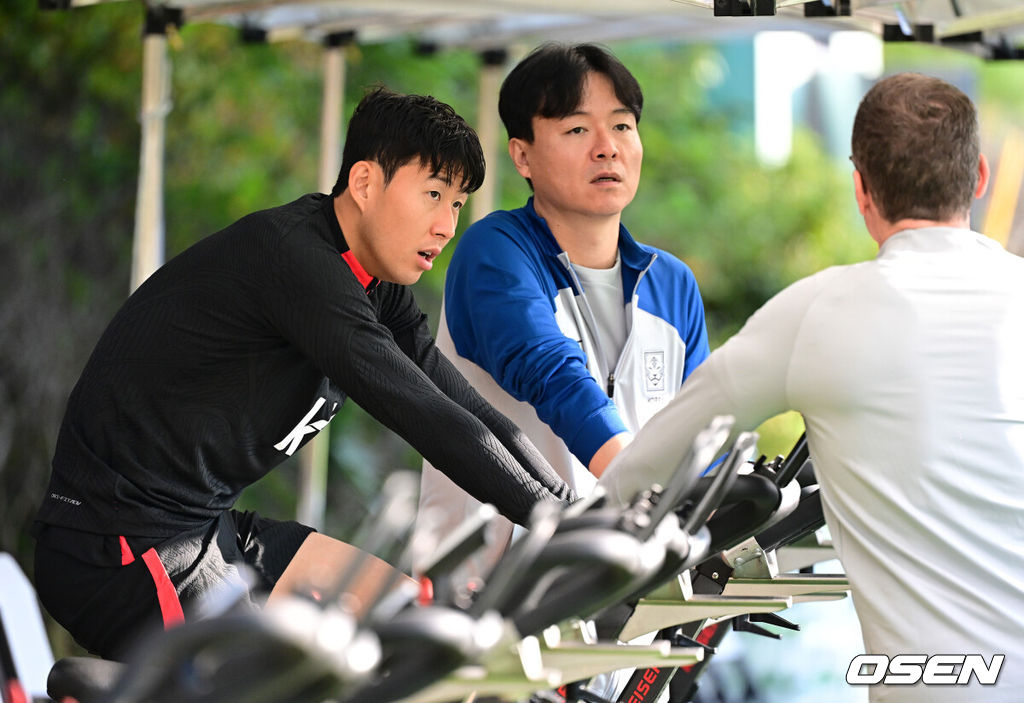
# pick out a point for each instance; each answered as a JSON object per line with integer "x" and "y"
{"x": 108, "y": 590}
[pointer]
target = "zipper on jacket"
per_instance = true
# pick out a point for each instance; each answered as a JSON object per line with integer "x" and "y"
{"x": 588, "y": 318}
{"x": 588, "y": 314}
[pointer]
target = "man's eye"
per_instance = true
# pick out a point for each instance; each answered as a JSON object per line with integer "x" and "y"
{"x": 575, "y": 130}
{"x": 435, "y": 195}
{"x": 457, "y": 205}
{"x": 623, "y": 127}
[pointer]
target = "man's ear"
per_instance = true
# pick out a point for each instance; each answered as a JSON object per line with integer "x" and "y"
{"x": 983, "y": 177}
{"x": 861, "y": 193}
{"x": 360, "y": 178}
{"x": 517, "y": 150}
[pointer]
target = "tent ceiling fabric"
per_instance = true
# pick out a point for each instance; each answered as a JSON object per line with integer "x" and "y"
{"x": 485, "y": 24}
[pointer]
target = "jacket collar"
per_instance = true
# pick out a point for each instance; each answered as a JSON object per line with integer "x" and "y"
{"x": 633, "y": 254}
{"x": 367, "y": 281}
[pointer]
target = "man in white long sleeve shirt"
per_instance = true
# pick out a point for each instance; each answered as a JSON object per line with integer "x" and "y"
{"x": 907, "y": 370}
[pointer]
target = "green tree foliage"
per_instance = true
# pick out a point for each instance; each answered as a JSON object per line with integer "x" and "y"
{"x": 69, "y": 151}
{"x": 69, "y": 142}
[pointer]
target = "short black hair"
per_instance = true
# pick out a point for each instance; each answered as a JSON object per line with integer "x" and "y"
{"x": 393, "y": 130}
{"x": 549, "y": 83}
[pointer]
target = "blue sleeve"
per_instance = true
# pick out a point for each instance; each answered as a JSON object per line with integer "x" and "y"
{"x": 693, "y": 328}
{"x": 499, "y": 304}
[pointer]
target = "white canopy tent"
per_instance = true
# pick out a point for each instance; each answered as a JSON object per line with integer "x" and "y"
{"x": 990, "y": 28}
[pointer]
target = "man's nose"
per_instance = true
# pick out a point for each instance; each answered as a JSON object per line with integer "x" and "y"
{"x": 604, "y": 145}
{"x": 445, "y": 223}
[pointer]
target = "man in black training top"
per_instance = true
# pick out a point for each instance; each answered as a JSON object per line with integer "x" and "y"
{"x": 237, "y": 352}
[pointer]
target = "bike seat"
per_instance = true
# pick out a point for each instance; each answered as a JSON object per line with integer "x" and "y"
{"x": 85, "y": 679}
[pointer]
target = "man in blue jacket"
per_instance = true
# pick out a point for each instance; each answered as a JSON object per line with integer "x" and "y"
{"x": 553, "y": 312}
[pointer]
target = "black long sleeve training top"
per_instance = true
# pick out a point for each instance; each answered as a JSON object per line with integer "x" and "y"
{"x": 235, "y": 353}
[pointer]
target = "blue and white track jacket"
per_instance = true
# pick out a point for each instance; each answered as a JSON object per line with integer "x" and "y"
{"x": 517, "y": 324}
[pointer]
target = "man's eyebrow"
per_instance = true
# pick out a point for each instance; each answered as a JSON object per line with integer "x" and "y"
{"x": 579, "y": 113}
{"x": 444, "y": 175}
{"x": 448, "y": 181}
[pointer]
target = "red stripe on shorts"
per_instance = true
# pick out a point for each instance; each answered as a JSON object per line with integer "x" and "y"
{"x": 14, "y": 692}
{"x": 126, "y": 552}
{"x": 170, "y": 606}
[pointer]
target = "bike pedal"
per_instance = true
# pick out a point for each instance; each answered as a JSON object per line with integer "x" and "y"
{"x": 773, "y": 619}
{"x": 680, "y": 640}
{"x": 743, "y": 624}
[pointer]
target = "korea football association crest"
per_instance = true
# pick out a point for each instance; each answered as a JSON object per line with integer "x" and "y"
{"x": 654, "y": 372}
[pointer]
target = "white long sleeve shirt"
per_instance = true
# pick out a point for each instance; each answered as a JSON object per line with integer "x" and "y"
{"x": 909, "y": 372}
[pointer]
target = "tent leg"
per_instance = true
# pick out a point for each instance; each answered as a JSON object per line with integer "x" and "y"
{"x": 148, "y": 247}
{"x": 492, "y": 67}
{"x": 313, "y": 458}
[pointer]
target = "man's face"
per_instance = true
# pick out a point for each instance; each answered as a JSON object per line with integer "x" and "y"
{"x": 408, "y": 222}
{"x": 587, "y": 163}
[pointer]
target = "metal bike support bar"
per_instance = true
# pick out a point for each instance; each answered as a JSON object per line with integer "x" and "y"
{"x": 795, "y": 460}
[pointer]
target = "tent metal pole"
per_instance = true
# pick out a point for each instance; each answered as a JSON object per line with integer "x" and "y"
{"x": 492, "y": 68}
{"x": 313, "y": 458}
{"x": 148, "y": 246}
{"x": 331, "y": 116}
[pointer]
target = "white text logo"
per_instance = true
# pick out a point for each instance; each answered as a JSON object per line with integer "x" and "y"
{"x": 294, "y": 438}
{"x": 935, "y": 670}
